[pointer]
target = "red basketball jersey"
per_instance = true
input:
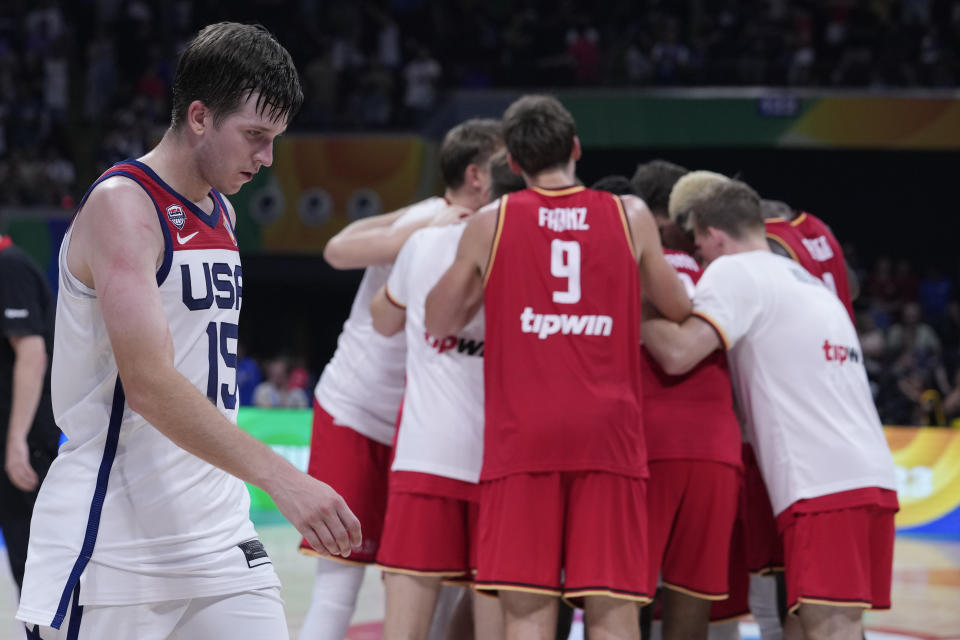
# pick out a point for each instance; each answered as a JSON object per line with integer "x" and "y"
{"x": 690, "y": 417}
{"x": 810, "y": 242}
{"x": 561, "y": 366}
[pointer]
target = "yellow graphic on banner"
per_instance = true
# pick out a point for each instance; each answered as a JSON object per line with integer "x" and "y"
{"x": 927, "y": 463}
{"x": 871, "y": 122}
{"x": 319, "y": 184}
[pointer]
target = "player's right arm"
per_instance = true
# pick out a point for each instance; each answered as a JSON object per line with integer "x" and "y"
{"x": 378, "y": 239}
{"x": 660, "y": 282}
{"x": 389, "y": 316}
{"x": 458, "y": 295}
{"x": 388, "y": 309}
{"x": 115, "y": 248}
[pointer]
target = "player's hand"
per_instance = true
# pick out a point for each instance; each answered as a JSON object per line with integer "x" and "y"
{"x": 17, "y": 466}
{"x": 319, "y": 514}
{"x": 451, "y": 214}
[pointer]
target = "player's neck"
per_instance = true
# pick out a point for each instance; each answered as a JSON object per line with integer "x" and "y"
{"x": 464, "y": 197}
{"x": 557, "y": 178}
{"x": 177, "y": 165}
{"x": 752, "y": 243}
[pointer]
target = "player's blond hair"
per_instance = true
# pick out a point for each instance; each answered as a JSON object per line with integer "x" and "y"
{"x": 690, "y": 188}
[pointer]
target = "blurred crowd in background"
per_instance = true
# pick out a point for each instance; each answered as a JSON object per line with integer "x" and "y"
{"x": 85, "y": 83}
{"x": 909, "y": 325}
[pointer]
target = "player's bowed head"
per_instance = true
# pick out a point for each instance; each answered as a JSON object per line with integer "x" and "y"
{"x": 234, "y": 91}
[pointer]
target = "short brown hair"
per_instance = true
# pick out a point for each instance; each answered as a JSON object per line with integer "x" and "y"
{"x": 539, "y": 133}
{"x": 502, "y": 178}
{"x": 730, "y": 206}
{"x": 470, "y": 142}
{"x": 226, "y": 63}
{"x": 653, "y": 182}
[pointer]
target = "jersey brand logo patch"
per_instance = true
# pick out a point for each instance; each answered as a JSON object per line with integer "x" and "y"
{"x": 187, "y": 238}
{"x": 176, "y": 215}
{"x": 16, "y": 314}
{"x": 254, "y": 553}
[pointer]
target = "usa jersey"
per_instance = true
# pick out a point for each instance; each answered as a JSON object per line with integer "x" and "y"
{"x": 125, "y": 516}
{"x": 810, "y": 242}
{"x": 689, "y": 417}
{"x": 362, "y": 385}
{"x": 562, "y": 309}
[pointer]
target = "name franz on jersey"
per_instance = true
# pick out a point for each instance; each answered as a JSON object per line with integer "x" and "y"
{"x": 469, "y": 346}
{"x": 818, "y": 247}
{"x": 564, "y": 218}
{"x": 548, "y": 324}
{"x": 682, "y": 261}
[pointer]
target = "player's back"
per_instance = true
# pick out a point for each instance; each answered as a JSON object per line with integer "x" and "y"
{"x": 362, "y": 385}
{"x": 562, "y": 318}
{"x": 810, "y": 242}
{"x": 799, "y": 377}
{"x": 441, "y": 426}
{"x": 689, "y": 416}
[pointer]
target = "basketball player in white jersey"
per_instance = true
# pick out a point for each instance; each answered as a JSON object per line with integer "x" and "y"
{"x": 802, "y": 389}
{"x": 429, "y": 533}
{"x": 142, "y": 527}
{"x": 359, "y": 392}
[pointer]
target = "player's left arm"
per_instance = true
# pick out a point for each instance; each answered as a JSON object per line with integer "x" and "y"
{"x": 389, "y": 316}
{"x": 679, "y": 347}
{"x": 29, "y": 371}
{"x": 660, "y": 282}
{"x": 458, "y": 295}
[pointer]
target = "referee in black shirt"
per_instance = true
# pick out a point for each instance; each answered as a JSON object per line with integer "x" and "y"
{"x": 30, "y": 436}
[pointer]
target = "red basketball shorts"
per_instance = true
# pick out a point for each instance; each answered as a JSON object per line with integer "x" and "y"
{"x": 764, "y": 545}
{"x": 430, "y": 527}
{"x": 738, "y": 576}
{"x": 840, "y": 557}
{"x": 692, "y": 505}
{"x": 570, "y": 534}
{"x": 357, "y": 468}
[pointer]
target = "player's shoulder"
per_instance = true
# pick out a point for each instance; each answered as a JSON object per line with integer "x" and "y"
{"x": 118, "y": 198}
{"x": 811, "y": 224}
{"x": 736, "y": 264}
{"x": 422, "y": 209}
{"x": 432, "y": 235}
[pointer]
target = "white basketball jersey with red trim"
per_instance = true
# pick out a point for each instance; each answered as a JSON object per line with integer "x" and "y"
{"x": 362, "y": 385}
{"x": 125, "y": 516}
{"x": 799, "y": 377}
{"x": 441, "y": 429}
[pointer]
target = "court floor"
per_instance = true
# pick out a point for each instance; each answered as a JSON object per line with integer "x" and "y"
{"x": 926, "y": 592}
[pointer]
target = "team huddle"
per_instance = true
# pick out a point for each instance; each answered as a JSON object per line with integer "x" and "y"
{"x": 544, "y": 393}
{"x": 572, "y": 462}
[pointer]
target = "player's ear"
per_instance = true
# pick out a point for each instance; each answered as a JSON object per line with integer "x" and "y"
{"x": 513, "y": 165}
{"x": 199, "y": 117}
{"x": 577, "y": 150}
{"x": 471, "y": 176}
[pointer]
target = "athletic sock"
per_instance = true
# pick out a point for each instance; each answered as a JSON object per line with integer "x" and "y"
{"x": 334, "y": 598}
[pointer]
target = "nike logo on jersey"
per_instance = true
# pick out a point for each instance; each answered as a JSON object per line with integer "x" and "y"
{"x": 187, "y": 238}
